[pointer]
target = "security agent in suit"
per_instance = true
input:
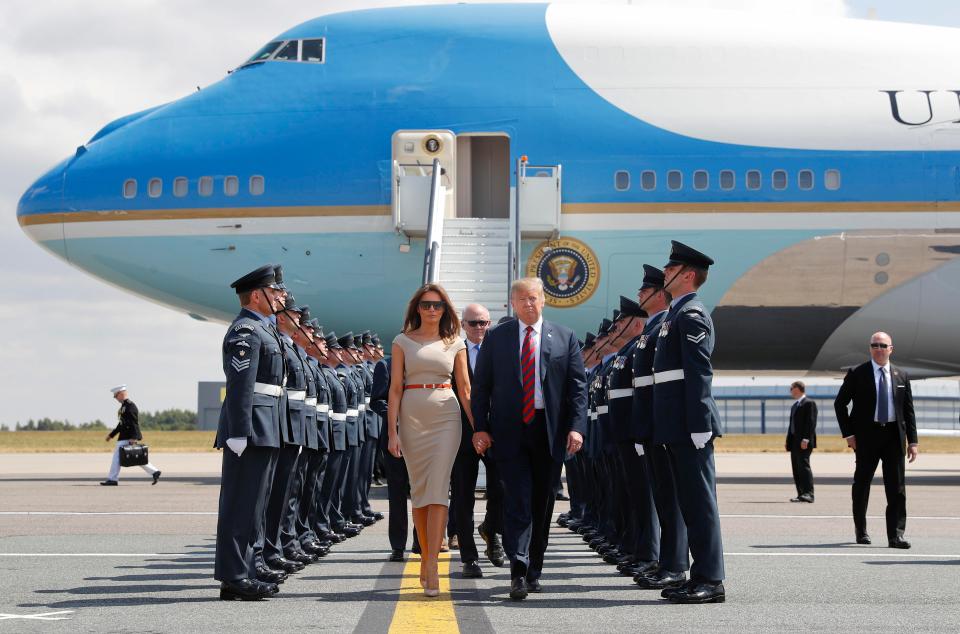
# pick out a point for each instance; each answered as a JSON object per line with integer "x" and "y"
{"x": 328, "y": 502}
{"x": 686, "y": 419}
{"x": 879, "y": 427}
{"x": 533, "y": 422}
{"x": 249, "y": 431}
{"x": 466, "y": 468}
{"x": 674, "y": 561}
{"x": 640, "y": 547}
{"x": 802, "y": 440}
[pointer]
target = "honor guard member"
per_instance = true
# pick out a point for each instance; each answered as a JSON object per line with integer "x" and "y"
{"x": 595, "y": 455}
{"x": 357, "y": 516}
{"x": 268, "y": 552}
{"x": 674, "y": 560}
{"x": 307, "y": 513}
{"x": 128, "y": 432}
{"x": 300, "y": 375}
{"x": 607, "y": 542}
{"x": 372, "y": 431}
{"x": 329, "y": 500}
{"x": 339, "y": 509}
{"x": 686, "y": 419}
{"x": 356, "y": 426}
{"x": 636, "y": 493}
{"x": 575, "y": 478}
{"x": 248, "y": 431}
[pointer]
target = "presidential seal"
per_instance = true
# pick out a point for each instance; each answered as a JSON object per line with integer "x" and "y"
{"x": 569, "y": 270}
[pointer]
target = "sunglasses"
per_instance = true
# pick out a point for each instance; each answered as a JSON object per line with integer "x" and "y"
{"x": 425, "y": 305}
{"x": 478, "y": 323}
{"x": 882, "y": 346}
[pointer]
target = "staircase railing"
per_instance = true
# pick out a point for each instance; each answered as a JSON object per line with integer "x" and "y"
{"x": 435, "y": 213}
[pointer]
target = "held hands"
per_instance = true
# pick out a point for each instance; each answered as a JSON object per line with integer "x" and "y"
{"x": 574, "y": 442}
{"x": 237, "y": 445}
{"x": 481, "y": 442}
{"x": 700, "y": 439}
{"x": 639, "y": 449}
{"x": 804, "y": 444}
{"x": 393, "y": 446}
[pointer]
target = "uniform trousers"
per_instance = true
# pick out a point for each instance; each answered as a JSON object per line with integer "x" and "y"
{"x": 351, "y": 493}
{"x": 289, "y": 537}
{"x": 674, "y": 551}
{"x": 307, "y": 515}
{"x": 244, "y": 488}
{"x": 114, "y": 474}
{"x": 695, "y": 474}
{"x": 337, "y": 510}
{"x": 643, "y": 510}
{"x": 329, "y": 490}
{"x": 268, "y": 545}
{"x": 367, "y": 456}
{"x": 528, "y": 481}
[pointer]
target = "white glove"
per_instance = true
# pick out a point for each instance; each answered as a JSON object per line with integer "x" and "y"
{"x": 237, "y": 445}
{"x": 700, "y": 439}
{"x": 639, "y": 449}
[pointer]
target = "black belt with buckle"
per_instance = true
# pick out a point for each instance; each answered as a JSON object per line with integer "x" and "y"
{"x": 879, "y": 424}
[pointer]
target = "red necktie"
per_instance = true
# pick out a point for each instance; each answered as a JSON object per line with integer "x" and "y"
{"x": 528, "y": 367}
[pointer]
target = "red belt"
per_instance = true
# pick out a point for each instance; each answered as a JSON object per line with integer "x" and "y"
{"x": 428, "y": 386}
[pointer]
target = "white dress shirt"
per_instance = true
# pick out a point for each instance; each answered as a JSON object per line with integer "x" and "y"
{"x": 891, "y": 415}
{"x": 473, "y": 349}
{"x": 535, "y": 342}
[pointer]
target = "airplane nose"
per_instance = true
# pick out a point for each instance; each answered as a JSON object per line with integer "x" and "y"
{"x": 40, "y": 210}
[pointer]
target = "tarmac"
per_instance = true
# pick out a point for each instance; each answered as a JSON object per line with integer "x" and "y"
{"x": 77, "y": 557}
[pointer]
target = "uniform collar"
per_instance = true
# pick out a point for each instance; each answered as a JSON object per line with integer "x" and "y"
{"x": 286, "y": 339}
{"x": 255, "y": 315}
{"x": 657, "y": 314}
{"x": 678, "y": 300}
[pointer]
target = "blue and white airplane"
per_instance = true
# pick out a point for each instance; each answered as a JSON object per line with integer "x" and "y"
{"x": 817, "y": 160}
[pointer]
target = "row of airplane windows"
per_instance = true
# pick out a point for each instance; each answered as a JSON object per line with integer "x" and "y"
{"x": 727, "y": 180}
{"x": 181, "y": 186}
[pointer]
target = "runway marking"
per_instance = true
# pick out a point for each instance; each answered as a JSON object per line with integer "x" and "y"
{"x": 416, "y": 613}
{"x": 46, "y": 616}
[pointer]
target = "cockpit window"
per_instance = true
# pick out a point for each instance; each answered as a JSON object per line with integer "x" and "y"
{"x": 312, "y": 51}
{"x": 264, "y": 53}
{"x": 288, "y": 53}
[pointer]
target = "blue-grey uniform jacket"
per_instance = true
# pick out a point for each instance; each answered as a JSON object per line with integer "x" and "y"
{"x": 345, "y": 374}
{"x": 323, "y": 404}
{"x": 682, "y": 374}
{"x": 641, "y": 424}
{"x": 620, "y": 392}
{"x": 338, "y": 410}
{"x": 358, "y": 383}
{"x": 373, "y": 419}
{"x": 254, "y": 367}
{"x": 310, "y": 440}
{"x": 294, "y": 431}
{"x": 607, "y": 440}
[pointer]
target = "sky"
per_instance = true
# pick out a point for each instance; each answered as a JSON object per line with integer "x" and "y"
{"x": 67, "y": 67}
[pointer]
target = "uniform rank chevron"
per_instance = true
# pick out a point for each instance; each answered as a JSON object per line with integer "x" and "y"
{"x": 240, "y": 364}
{"x": 697, "y": 338}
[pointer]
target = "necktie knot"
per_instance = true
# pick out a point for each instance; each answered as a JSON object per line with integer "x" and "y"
{"x": 529, "y": 329}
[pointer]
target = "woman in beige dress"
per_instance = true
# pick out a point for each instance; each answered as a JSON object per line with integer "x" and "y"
{"x": 429, "y": 357}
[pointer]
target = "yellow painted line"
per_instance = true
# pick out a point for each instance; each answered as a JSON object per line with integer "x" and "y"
{"x": 416, "y": 613}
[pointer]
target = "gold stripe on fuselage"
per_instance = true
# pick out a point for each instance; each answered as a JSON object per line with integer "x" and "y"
{"x": 568, "y": 208}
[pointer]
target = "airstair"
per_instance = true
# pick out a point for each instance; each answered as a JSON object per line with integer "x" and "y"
{"x": 474, "y": 263}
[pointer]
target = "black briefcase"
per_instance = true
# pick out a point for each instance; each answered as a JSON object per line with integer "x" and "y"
{"x": 134, "y": 455}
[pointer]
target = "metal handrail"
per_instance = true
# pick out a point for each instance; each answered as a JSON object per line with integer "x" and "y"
{"x": 431, "y": 251}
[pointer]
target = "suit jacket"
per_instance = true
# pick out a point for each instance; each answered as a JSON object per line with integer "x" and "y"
{"x": 497, "y": 389}
{"x": 466, "y": 432}
{"x": 804, "y": 425}
{"x": 859, "y": 386}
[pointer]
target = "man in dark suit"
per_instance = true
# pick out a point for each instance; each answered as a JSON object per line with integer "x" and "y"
{"x": 802, "y": 440}
{"x": 529, "y": 399}
{"x": 879, "y": 427}
{"x": 476, "y": 320}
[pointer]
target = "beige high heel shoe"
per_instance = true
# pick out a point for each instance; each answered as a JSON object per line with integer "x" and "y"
{"x": 432, "y": 589}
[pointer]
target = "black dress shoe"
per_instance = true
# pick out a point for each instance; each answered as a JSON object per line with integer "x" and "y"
{"x": 518, "y": 589}
{"x": 641, "y": 568}
{"x": 660, "y": 580}
{"x": 243, "y": 590}
{"x": 332, "y": 537}
{"x": 533, "y": 585}
{"x": 702, "y": 592}
{"x": 562, "y": 520}
{"x": 573, "y": 525}
{"x": 300, "y": 557}
{"x": 396, "y": 555}
{"x": 363, "y": 520}
{"x": 349, "y": 530}
{"x": 156, "y": 477}
{"x": 471, "y": 570}
{"x": 797, "y": 499}
{"x": 315, "y": 548}
{"x": 612, "y": 557}
{"x": 285, "y": 565}
{"x": 109, "y": 483}
{"x": 267, "y": 575}
{"x": 666, "y": 593}
{"x": 377, "y": 515}
{"x": 899, "y": 543}
{"x": 864, "y": 539}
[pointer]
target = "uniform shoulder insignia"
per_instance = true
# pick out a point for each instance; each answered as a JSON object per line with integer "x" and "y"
{"x": 697, "y": 338}
{"x": 240, "y": 343}
{"x": 243, "y": 326}
{"x": 239, "y": 364}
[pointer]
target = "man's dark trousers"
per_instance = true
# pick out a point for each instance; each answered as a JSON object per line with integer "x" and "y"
{"x": 802, "y": 473}
{"x": 528, "y": 482}
{"x": 880, "y": 443}
{"x": 465, "y": 471}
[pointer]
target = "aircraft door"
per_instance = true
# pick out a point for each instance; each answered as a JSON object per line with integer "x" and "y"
{"x": 413, "y": 153}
